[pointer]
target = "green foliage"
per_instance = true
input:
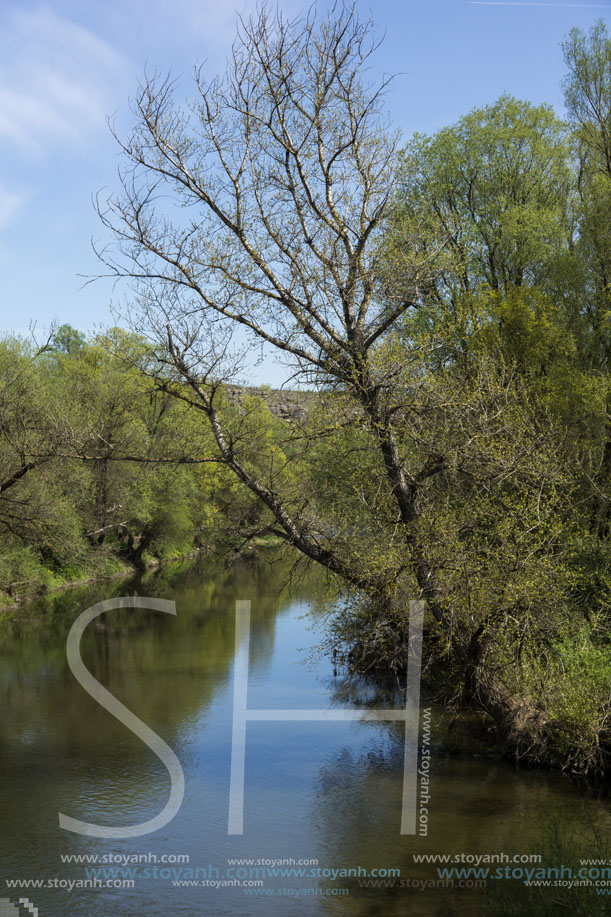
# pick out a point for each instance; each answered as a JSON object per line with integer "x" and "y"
{"x": 102, "y": 465}
{"x": 588, "y": 91}
{"x": 492, "y": 193}
{"x": 68, "y": 340}
{"x": 567, "y": 675}
{"x": 512, "y": 341}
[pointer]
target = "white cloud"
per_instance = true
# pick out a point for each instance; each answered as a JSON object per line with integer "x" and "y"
{"x": 55, "y": 80}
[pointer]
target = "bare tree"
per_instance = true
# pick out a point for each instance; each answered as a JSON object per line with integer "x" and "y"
{"x": 262, "y": 207}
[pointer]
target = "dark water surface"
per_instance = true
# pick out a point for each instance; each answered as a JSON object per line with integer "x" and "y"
{"x": 324, "y": 792}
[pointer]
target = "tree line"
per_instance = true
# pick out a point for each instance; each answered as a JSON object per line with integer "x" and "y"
{"x": 97, "y": 468}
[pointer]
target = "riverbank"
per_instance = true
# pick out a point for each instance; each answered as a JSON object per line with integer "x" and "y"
{"x": 111, "y": 567}
{"x": 547, "y": 713}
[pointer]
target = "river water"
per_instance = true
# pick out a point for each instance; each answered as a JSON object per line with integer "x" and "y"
{"x": 328, "y": 793}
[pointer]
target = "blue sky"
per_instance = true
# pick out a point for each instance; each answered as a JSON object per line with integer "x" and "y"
{"x": 67, "y": 65}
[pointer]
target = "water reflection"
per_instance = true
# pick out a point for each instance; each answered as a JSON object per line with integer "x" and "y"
{"x": 330, "y": 791}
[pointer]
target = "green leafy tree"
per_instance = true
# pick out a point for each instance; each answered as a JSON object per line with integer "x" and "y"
{"x": 491, "y": 194}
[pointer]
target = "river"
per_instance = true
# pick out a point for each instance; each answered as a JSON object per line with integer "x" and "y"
{"x": 328, "y": 793}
